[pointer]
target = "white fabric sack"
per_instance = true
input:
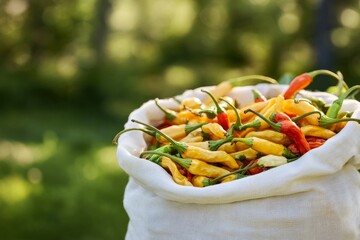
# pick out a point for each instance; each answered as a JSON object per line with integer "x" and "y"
{"x": 314, "y": 197}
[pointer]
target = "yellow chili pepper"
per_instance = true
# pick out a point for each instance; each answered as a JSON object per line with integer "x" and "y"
{"x": 279, "y": 103}
{"x": 271, "y": 135}
{"x": 194, "y": 166}
{"x": 219, "y": 91}
{"x": 214, "y": 130}
{"x": 317, "y": 131}
{"x": 191, "y": 102}
{"x": 266, "y": 147}
{"x": 198, "y": 181}
{"x": 202, "y": 144}
{"x": 167, "y": 163}
{"x": 179, "y": 131}
{"x": 174, "y": 131}
{"x": 300, "y": 108}
{"x": 258, "y": 107}
{"x": 192, "y": 139}
{"x": 210, "y": 156}
{"x": 194, "y": 136}
{"x": 339, "y": 126}
{"x": 247, "y": 154}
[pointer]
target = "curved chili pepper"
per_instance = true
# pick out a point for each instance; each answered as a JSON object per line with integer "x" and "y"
{"x": 271, "y": 135}
{"x": 301, "y": 81}
{"x": 284, "y": 124}
{"x": 239, "y": 173}
{"x": 265, "y": 146}
{"x": 179, "y": 178}
{"x": 250, "y": 80}
{"x": 194, "y": 166}
{"x": 180, "y": 131}
{"x": 258, "y": 96}
{"x": 188, "y": 151}
{"x": 221, "y": 114}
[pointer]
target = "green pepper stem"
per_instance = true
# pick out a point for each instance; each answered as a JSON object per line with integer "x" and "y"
{"x": 327, "y": 72}
{"x": 164, "y": 149}
{"x": 275, "y": 126}
{"x": 247, "y": 141}
{"x": 325, "y": 121}
{"x": 209, "y": 113}
{"x": 240, "y": 170}
{"x": 193, "y": 127}
{"x": 215, "y": 144}
{"x": 176, "y": 100}
{"x": 169, "y": 115}
{"x": 180, "y": 147}
{"x": 238, "y": 119}
{"x": 298, "y": 118}
{"x": 115, "y": 140}
{"x": 184, "y": 162}
{"x": 251, "y": 80}
{"x": 337, "y": 104}
{"x": 253, "y": 124}
{"x": 219, "y": 110}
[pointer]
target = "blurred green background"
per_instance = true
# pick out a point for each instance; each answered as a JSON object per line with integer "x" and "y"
{"x": 71, "y": 71}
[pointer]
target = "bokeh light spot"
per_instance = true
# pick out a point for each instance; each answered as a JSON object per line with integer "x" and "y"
{"x": 13, "y": 189}
{"x": 16, "y": 7}
{"x": 349, "y": 18}
{"x": 179, "y": 76}
{"x": 289, "y": 23}
{"x": 340, "y": 37}
{"x": 34, "y": 175}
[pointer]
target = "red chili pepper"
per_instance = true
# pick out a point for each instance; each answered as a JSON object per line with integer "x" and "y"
{"x": 303, "y": 80}
{"x": 315, "y": 142}
{"x": 288, "y": 127}
{"x": 279, "y": 117}
{"x": 189, "y": 176}
{"x": 258, "y": 97}
{"x": 292, "y": 147}
{"x": 256, "y": 169}
{"x": 298, "y": 83}
{"x": 222, "y": 117}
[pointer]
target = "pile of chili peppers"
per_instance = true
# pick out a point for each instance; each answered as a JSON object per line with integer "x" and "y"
{"x": 202, "y": 143}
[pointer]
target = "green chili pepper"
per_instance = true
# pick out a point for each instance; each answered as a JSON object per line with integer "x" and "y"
{"x": 163, "y": 149}
{"x": 337, "y": 104}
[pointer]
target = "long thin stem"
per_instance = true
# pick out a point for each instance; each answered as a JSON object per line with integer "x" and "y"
{"x": 115, "y": 140}
{"x": 180, "y": 147}
{"x": 184, "y": 162}
{"x": 240, "y": 170}
{"x": 251, "y": 79}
